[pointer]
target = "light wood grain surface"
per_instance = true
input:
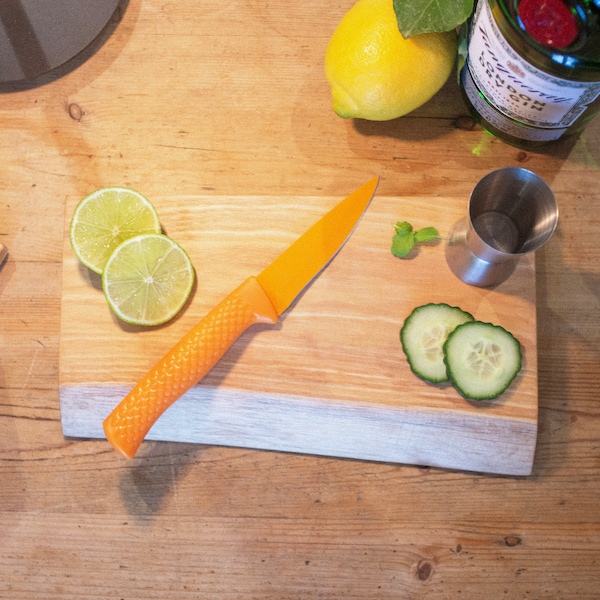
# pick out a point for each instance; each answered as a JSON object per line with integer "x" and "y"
{"x": 330, "y": 378}
{"x": 202, "y": 98}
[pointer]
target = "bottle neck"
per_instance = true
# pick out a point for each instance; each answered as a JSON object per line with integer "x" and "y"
{"x": 561, "y": 37}
{"x": 552, "y": 23}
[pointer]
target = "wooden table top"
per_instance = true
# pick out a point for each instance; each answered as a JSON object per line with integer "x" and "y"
{"x": 229, "y": 99}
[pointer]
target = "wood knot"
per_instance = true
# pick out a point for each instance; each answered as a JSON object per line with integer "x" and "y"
{"x": 522, "y": 156}
{"x": 424, "y": 570}
{"x": 464, "y": 123}
{"x": 75, "y": 111}
{"x": 512, "y": 540}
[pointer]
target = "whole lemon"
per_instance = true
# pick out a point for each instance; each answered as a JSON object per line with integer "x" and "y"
{"x": 378, "y": 75}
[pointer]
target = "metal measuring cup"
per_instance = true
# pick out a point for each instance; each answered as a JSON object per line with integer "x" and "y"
{"x": 511, "y": 212}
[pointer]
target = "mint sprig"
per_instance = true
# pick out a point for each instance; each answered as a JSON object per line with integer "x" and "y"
{"x": 405, "y": 238}
{"x": 427, "y": 16}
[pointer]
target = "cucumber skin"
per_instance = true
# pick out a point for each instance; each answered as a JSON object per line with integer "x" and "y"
{"x": 499, "y": 391}
{"x": 406, "y": 345}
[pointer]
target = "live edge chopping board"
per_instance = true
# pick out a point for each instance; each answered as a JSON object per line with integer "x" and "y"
{"x": 330, "y": 378}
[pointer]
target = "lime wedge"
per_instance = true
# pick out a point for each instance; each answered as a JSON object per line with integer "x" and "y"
{"x": 104, "y": 219}
{"x": 147, "y": 279}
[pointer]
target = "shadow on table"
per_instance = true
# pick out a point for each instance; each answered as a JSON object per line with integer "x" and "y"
{"x": 152, "y": 477}
{"x": 75, "y": 62}
{"x": 568, "y": 302}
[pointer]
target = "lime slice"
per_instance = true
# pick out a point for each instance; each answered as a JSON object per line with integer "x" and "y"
{"x": 104, "y": 219}
{"x": 147, "y": 279}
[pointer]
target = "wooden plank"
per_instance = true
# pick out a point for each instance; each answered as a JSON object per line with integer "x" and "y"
{"x": 330, "y": 378}
{"x": 349, "y": 558}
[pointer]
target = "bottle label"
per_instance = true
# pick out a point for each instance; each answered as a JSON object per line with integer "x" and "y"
{"x": 516, "y": 88}
{"x": 500, "y": 122}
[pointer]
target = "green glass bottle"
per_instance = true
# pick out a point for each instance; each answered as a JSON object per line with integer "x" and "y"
{"x": 532, "y": 71}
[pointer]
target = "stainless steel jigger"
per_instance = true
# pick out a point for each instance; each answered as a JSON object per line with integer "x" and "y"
{"x": 511, "y": 212}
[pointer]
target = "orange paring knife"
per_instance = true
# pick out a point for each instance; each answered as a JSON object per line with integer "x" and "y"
{"x": 259, "y": 299}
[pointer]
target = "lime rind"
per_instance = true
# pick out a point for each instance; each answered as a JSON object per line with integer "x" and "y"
{"x": 107, "y": 217}
{"x": 148, "y": 279}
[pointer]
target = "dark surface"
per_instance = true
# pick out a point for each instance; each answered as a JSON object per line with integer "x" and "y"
{"x": 38, "y": 37}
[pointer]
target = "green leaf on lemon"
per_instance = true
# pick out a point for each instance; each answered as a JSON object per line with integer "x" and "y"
{"x": 428, "y": 16}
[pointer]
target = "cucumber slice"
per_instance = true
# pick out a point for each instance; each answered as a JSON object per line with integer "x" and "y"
{"x": 423, "y": 335}
{"x": 482, "y": 359}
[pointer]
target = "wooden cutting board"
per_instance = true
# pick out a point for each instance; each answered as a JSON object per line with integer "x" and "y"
{"x": 330, "y": 378}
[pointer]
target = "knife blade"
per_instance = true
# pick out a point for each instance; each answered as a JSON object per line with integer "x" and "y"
{"x": 259, "y": 299}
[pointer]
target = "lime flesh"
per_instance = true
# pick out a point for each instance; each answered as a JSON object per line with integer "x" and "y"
{"x": 104, "y": 219}
{"x": 147, "y": 279}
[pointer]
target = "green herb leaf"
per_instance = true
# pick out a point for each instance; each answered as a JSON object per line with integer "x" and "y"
{"x": 405, "y": 238}
{"x": 426, "y": 16}
{"x": 427, "y": 234}
{"x": 403, "y": 226}
{"x": 402, "y": 243}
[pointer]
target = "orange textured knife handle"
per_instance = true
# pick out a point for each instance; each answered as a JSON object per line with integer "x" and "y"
{"x": 186, "y": 363}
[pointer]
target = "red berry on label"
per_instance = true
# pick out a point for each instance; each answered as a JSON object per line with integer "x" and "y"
{"x": 549, "y": 22}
